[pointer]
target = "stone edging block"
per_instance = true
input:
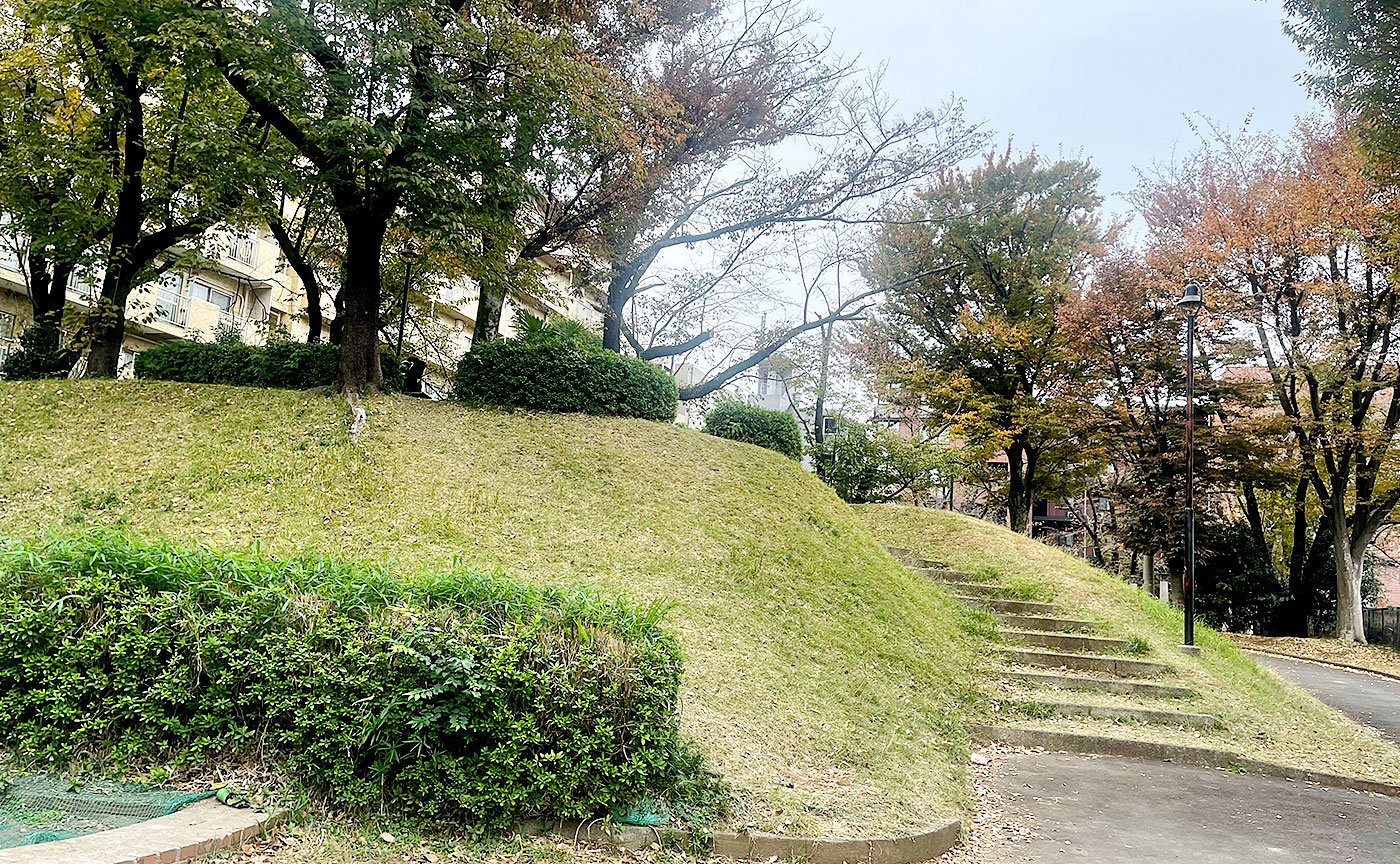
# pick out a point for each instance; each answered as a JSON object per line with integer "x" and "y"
{"x": 755, "y": 846}
{"x": 1205, "y": 757}
{"x": 194, "y": 830}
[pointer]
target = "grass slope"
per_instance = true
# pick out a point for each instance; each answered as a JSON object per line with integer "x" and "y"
{"x": 1262, "y": 716}
{"x": 824, "y": 679}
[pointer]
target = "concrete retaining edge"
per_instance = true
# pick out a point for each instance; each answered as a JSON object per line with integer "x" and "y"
{"x": 191, "y": 832}
{"x": 1205, "y": 757}
{"x": 756, "y": 846}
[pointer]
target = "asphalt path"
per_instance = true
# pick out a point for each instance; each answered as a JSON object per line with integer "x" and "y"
{"x": 1107, "y": 809}
{"x": 1369, "y": 699}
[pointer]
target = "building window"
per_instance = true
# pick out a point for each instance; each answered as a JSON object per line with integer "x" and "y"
{"x": 242, "y": 248}
{"x": 209, "y": 294}
{"x": 7, "y": 326}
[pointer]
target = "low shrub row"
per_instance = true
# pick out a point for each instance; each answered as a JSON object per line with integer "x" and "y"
{"x": 552, "y": 376}
{"x": 446, "y": 696}
{"x": 776, "y": 430}
{"x": 295, "y": 365}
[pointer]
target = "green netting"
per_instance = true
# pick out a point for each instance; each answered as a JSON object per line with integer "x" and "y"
{"x": 39, "y": 808}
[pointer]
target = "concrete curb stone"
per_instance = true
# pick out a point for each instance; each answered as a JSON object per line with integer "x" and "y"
{"x": 1205, "y": 757}
{"x": 756, "y": 846}
{"x": 192, "y": 831}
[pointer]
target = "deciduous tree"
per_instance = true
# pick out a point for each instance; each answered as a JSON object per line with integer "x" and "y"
{"x": 1291, "y": 239}
{"x": 984, "y": 261}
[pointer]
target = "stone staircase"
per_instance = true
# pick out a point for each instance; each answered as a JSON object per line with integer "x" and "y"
{"x": 1051, "y": 651}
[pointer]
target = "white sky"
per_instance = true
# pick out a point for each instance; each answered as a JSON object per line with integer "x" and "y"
{"x": 1109, "y": 80}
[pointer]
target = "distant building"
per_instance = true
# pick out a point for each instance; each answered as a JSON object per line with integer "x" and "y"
{"x": 247, "y": 288}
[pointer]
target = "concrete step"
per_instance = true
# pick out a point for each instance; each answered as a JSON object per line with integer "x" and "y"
{"x": 1116, "y": 666}
{"x": 909, "y": 559}
{"x": 977, "y": 589}
{"x": 1066, "y": 641}
{"x": 1141, "y": 715}
{"x": 1013, "y": 607}
{"x": 1038, "y": 622}
{"x": 943, "y": 574}
{"x": 1100, "y": 685}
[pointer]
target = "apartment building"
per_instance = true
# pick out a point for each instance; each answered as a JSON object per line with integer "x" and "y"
{"x": 243, "y": 285}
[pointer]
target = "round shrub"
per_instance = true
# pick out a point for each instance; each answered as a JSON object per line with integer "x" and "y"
{"x": 776, "y": 430}
{"x": 444, "y": 697}
{"x": 295, "y": 365}
{"x": 565, "y": 379}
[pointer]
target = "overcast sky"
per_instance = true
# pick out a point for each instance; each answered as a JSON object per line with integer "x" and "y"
{"x": 1106, "y": 79}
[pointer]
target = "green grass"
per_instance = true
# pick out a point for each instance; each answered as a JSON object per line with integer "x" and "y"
{"x": 830, "y": 685}
{"x": 1263, "y": 717}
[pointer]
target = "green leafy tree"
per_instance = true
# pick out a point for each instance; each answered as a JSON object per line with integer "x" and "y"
{"x": 168, "y": 150}
{"x": 54, "y": 179}
{"x": 871, "y": 465}
{"x": 426, "y": 111}
{"x": 1355, "y": 46}
{"x": 981, "y": 264}
{"x": 1293, "y": 240}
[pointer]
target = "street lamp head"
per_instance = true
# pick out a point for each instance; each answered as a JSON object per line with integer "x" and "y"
{"x": 1191, "y": 298}
{"x": 410, "y": 250}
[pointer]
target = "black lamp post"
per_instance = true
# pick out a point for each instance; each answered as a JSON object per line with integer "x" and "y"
{"x": 409, "y": 254}
{"x": 1191, "y": 302}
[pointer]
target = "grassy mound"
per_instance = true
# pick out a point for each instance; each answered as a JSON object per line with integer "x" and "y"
{"x": 829, "y": 684}
{"x": 1261, "y": 716}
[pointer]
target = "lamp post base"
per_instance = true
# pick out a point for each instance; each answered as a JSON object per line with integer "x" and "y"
{"x": 1193, "y": 650}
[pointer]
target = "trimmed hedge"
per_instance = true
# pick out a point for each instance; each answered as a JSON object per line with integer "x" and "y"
{"x": 776, "y": 430}
{"x": 446, "y": 696}
{"x": 565, "y": 379}
{"x": 295, "y": 365}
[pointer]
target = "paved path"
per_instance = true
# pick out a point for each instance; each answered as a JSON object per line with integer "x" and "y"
{"x": 1368, "y": 699}
{"x": 1119, "y": 810}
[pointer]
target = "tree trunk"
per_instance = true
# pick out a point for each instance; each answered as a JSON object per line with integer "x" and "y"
{"x": 819, "y": 413}
{"x": 490, "y": 305}
{"x": 618, "y": 293}
{"x": 338, "y": 322}
{"x": 360, "y": 293}
{"x": 1017, "y": 503}
{"x": 1149, "y": 581}
{"x": 108, "y": 332}
{"x": 1350, "y": 555}
{"x": 48, "y": 294}
{"x": 108, "y": 315}
{"x": 1294, "y": 621}
{"x": 306, "y": 273}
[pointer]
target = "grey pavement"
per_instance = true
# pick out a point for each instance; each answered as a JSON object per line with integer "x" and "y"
{"x": 1107, "y": 809}
{"x": 1368, "y": 699}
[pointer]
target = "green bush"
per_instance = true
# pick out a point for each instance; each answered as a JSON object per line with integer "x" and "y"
{"x": 866, "y": 465}
{"x": 445, "y": 696}
{"x": 40, "y": 355}
{"x": 565, "y": 378}
{"x": 294, "y": 365}
{"x": 776, "y": 430}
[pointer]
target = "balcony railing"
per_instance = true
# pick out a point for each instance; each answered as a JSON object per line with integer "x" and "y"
{"x": 171, "y": 306}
